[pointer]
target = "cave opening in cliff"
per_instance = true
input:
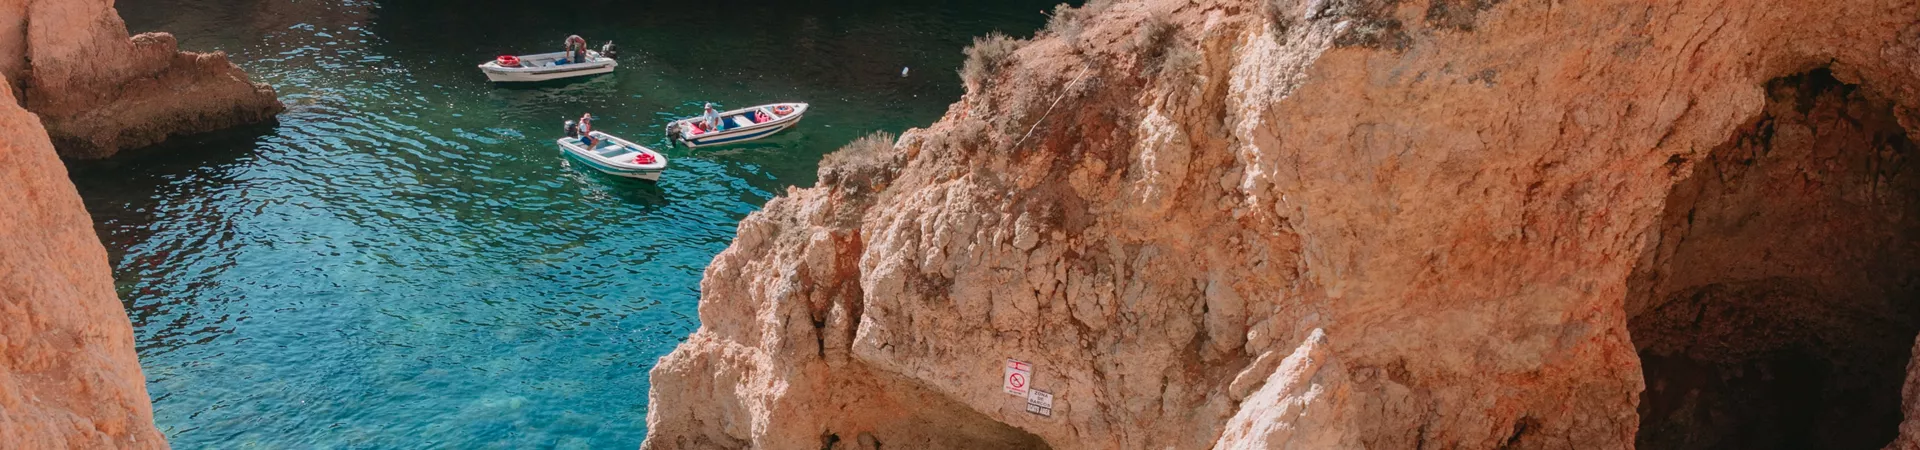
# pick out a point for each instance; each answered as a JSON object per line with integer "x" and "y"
{"x": 1776, "y": 307}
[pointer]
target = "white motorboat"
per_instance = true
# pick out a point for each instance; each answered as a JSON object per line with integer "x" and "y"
{"x": 617, "y": 156}
{"x": 546, "y": 66}
{"x": 738, "y": 125}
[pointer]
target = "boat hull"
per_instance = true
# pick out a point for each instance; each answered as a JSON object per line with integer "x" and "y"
{"x": 649, "y": 172}
{"x": 540, "y": 68}
{"x": 724, "y": 139}
{"x": 527, "y": 77}
{"x": 737, "y": 135}
{"x": 649, "y": 175}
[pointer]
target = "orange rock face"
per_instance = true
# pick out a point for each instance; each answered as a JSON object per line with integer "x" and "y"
{"x": 100, "y": 91}
{"x": 68, "y": 374}
{"x": 1352, "y": 224}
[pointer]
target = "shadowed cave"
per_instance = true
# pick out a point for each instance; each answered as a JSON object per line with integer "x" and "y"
{"x": 1776, "y": 307}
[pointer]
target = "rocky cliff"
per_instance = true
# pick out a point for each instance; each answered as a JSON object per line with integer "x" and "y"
{"x": 69, "y": 377}
{"x": 1350, "y": 224}
{"x": 68, "y": 374}
{"x": 100, "y": 91}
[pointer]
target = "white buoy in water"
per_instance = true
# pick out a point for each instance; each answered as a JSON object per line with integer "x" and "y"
{"x": 903, "y": 72}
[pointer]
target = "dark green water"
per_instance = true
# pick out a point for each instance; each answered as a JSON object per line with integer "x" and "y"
{"x": 405, "y": 260}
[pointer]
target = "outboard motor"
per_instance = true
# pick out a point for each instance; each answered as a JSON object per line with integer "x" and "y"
{"x": 609, "y": 50}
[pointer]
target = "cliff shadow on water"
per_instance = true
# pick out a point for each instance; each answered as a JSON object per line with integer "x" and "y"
{"x": 1777, "y": 304}
{"x": 118, "y": 190}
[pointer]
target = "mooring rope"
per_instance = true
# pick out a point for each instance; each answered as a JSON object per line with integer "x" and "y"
{"x": 1068, "y": 89}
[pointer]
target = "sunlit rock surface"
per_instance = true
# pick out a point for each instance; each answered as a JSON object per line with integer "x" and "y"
{"x": 1351, "y": 224}
{"x": 68, "y": 374}
{"x": 99, "y": 91}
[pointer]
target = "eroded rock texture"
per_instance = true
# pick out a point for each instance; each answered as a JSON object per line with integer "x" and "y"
{"x": 1351, "y": 224}
{"x": 68, "y": 374}
{"x": 100, "y": 91}
{"x": 1779, "y": 305}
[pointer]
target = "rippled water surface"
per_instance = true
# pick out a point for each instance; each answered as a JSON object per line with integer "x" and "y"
{"x": 404, "y": 260}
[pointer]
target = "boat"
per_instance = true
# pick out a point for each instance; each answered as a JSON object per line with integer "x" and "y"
{"x": 738, "y": 125}
{"x": 617, "y": 156}
{"x": 545, "y": 66}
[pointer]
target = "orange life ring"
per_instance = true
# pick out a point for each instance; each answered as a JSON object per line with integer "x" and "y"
{"x": 783, "y": 110}
{"x": 507, "y": 61}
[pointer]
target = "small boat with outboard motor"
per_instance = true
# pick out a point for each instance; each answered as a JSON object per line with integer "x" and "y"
{"x": 616, "y": 156}
{"x": 740, "y": 125}
{"x": 576, "y": 61}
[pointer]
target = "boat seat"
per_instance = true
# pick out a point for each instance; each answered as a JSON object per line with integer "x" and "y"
{"x": 742, "y": 121}
{"x": 613, "y": 151}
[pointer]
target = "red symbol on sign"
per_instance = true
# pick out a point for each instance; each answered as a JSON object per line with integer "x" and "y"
{"x": 1016, "y": 377}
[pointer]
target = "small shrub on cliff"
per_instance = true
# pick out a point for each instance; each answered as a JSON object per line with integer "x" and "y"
{"x": 985, "y": 58}
{"x": 1374, "y": 24}
{"x": 1067, "y": 22}
{"x": 1155, "y": 36}
{"x": 1385, "y": 34}
{"x": 1355, "y": 9}
{"x": 1161, "y": 53}
{"x": 1458, "y": 14}
{"x": 865, "y": 164}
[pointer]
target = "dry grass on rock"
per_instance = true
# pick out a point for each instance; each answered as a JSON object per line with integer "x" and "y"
{"x": 866, "y": 164}
{"x": 985, "y": 58}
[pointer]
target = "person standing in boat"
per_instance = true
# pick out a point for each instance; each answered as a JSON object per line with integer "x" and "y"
{"x": 576, "y": 50}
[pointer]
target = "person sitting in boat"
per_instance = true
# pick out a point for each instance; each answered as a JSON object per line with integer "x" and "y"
{"x": 712, "y": 118}
{"x": 586, "y": 130}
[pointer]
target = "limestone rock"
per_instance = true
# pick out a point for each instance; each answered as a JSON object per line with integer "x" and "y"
{"x": 68, "y": 374}
{"x": 100, "y": 91}
{"x": 1909, "y": 438}
{"x": 1482, "y": 206}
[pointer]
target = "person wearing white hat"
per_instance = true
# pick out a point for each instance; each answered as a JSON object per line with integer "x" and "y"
{"x": 712, "y": 118}
{"x": 586, "y": 130}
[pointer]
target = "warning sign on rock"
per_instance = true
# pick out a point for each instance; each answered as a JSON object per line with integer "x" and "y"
{"x": 1040, "y": 402}
{"x": 1016, "y": 377}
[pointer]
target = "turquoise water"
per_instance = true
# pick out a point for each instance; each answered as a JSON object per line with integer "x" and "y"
{"x": 404, "y": 260}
